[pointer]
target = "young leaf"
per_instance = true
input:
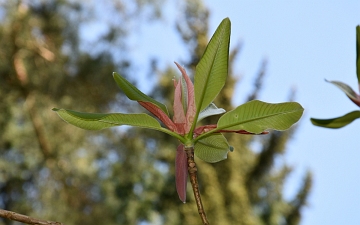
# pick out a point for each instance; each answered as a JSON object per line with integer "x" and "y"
{"x": 178, "y": 108}
{"x": 187, "y": 98}
{"x": 181, "y": 172}
{"x": 256, "y": 116}
{"x": 161, "y": 115}
{"x": 348, "y": 91}
{"x": 358, "y": 54}
{"x": 336, "y": 122}
{"x": 135, "y": 94}
{"x": 210, "y": 111}
{"x": 212, "y": 70}
{"x": 98, "y": 121}
{"x": 213, "y": 148}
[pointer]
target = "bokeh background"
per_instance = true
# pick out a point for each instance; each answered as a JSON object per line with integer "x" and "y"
{"x": 62, "y": 54}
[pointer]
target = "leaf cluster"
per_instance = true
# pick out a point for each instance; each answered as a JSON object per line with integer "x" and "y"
{"x": 346, "y": 119}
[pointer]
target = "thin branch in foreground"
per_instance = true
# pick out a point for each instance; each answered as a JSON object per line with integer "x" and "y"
{"x": 25, "y": 219}
{"x": 192, "y": 169}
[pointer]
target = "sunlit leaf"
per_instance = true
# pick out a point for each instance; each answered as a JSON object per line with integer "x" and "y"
{"x": 213, "y": 148}
{"x": 348, "y": 91}
{"x": 212, "y": 70}
{"x": 336, "y": 122}
{"x": 181, "y": 173}
{"x": 135, "y": 94}
{"x": 98, "y": 121}
{"x": 211, "y": 110}
{"x": 256, "y": 116}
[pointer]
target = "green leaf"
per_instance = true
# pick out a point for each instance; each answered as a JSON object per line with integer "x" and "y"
{"x": 256, "y": 116}
{"x": 212, "y": 70}
{"x": 346, "y": 89}
{"x": 213, "y": 148}
{"x": 358, "y": 53}
{"x": 211, "y": 110}
{"x": 98, "y": 121}
{"x": 135, "y": 94}
{"x": 336, "y": 122}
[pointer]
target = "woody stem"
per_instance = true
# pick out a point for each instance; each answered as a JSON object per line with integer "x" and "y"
{"x": 192, "y": 169}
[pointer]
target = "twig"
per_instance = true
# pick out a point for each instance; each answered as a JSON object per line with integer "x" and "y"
{"x": 194, "y": 183}
{"x": 25, "y": 219}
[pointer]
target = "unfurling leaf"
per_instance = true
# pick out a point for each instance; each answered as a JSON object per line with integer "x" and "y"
{"x": 135, "y": 94}
{"x": 348, "y": 91}
{"x": 178, "y": 107}
{"x": 256, "y": 116}
{"x": 213, "y": 148}
{"x": 337, "y": 122}
{"x": 187, "y": 94}
{"x": 98, "y": 121}
{"x": 211, "y": 110}
{"x": 212, "y": 70}
{"x": 181, "y": 172}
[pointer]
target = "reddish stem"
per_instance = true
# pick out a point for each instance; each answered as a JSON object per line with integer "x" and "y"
{"x": 192, "y": 169}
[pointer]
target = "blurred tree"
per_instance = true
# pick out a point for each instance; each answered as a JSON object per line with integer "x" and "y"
{"x": 48, "y": 169}
{"x": 54, "y": 171}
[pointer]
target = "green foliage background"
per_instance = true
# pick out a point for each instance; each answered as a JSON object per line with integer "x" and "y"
{"x": 54, "y": 171}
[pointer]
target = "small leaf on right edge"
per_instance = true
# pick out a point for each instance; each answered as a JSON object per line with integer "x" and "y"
{"x": 347, "y": 90}
{"x": 213, "y": 148}
{"x": 358, "y": 54}
{"x": 336, "y": 122}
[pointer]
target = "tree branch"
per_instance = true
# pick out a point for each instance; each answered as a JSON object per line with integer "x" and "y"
{"x": 25, "y": 219}
{"x": 192, "y": 169}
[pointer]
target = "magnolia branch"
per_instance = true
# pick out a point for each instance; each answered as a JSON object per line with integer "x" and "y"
{"x": 192, "y": 169}
{"x": 25, "y": 219}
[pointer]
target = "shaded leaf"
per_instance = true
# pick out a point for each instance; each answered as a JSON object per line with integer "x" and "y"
{"x": 348, "y": 91}
{"x": 98, "y": 121}
{"x": 181, "y": 173}
{"x": 212, "y": 70}
{"x": 135, "y": 94}
{"x": 213, "y": 148}
{"x": 211, "y": 110}
{"x": 336, "y": 122}
{"x": 256, "y": 116}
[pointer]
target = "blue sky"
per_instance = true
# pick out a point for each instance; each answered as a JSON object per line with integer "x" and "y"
{"x": 304, "y": 42}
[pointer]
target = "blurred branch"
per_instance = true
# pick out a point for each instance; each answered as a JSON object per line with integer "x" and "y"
{"x": 258, "y": 80}
{"x": 233, "y": 54}
{"x": 38, "y": 125}
{"x": 294, "y": 216}
{"x": 193, "y": 28}
{"x": 265, "y": 160}
{"x": 22, "y": 76}
{"x": 25, "y": 219}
